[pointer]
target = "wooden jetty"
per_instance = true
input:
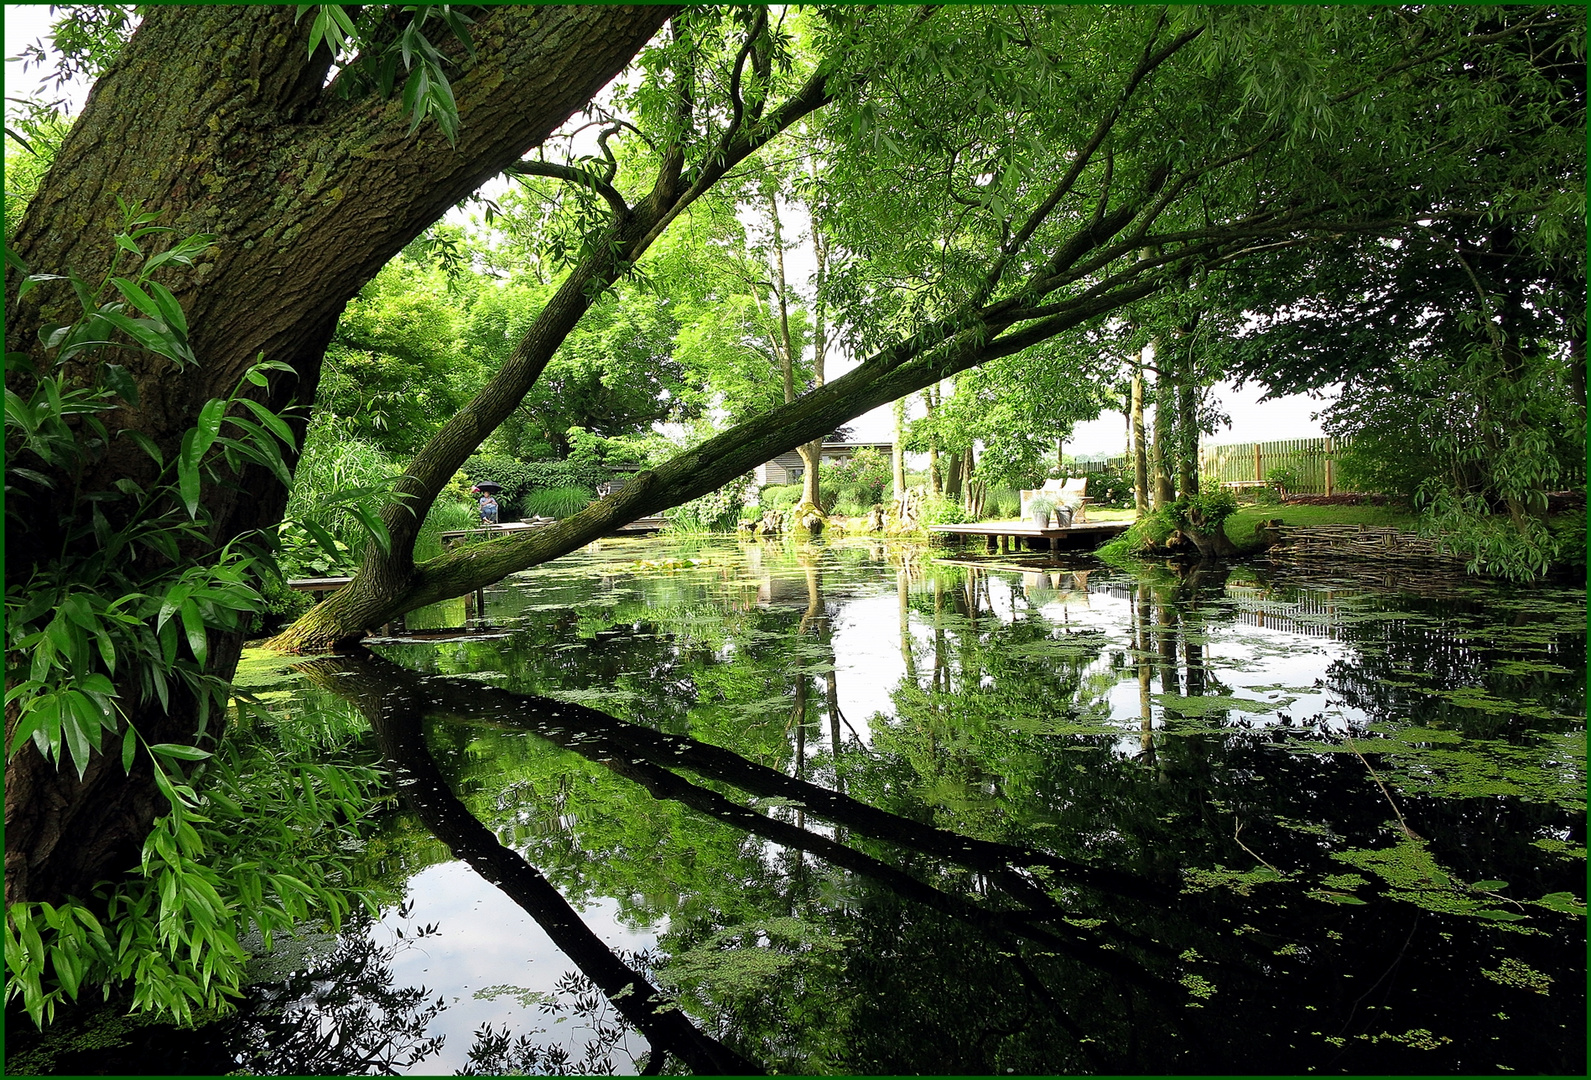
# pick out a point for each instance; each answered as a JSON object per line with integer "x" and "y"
{"x": 508, "y": 528}
{"x": 315, "y": 585}
{"x": 1008, "y": 537}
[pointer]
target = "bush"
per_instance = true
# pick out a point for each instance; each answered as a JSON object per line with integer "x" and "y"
{"x": 558, "y": 502}
{"x": 338, "y": 486}
{"x": 1002, "y": 504}
{"x": 858, "y": 495}
{"x": 520, "y": 478}
{"x": 941, "y": 511}
{"x": 445, "y": 516}
{"x": 1205, "y": 512}
{"x": 1146, "y": 535}
{"x": 717, "y": 511}
{"x": 1111, "y": 488}
{"x": 780, "y": 497}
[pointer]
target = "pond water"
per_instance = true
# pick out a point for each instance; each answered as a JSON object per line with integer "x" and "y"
{"x": 856, "y": 808}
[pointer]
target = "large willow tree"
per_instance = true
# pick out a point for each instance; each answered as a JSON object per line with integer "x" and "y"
{"x": 994, "y": 177}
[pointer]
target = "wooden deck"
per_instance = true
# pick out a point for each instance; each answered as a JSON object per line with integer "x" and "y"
{"x": 1014, "y": 536}
{"x": 483, "y": 532}
{"x": 317, "y": 584}
{"x": 480, "y": 532}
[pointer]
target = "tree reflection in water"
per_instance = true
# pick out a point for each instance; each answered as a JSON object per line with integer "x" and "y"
{"x": 1016, "y": 869}
{"x": 1068, "y": 821}
{"x": 392, "y": 700}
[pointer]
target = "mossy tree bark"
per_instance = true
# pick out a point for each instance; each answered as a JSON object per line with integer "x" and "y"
{"x": 309, "y": 193}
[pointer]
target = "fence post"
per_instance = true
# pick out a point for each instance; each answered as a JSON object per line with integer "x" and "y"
{"x": 1258, "y": 475}
{"x": 1328, "y": 464}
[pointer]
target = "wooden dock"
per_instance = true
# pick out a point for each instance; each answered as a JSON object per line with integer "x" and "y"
{"x": 1008, "y": 537}
{"x": 509, "y": 528}
{"x": 317, "y": 584}
{"x": 481, "y": 532}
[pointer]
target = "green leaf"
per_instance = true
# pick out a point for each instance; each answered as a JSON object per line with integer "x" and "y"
{"x": 147, "y": 445}
{"x": 188, "y": 472}
{"x": 129, "y": 748}
{"x": 209, "y": 425}
{"x": 271, "y": 420}
{"x": 193, "y": 624}
{"x": 76, "y": 738}
{"x": 136, "y": 296}
{"x": 179, "y": 752}
{"x": 169, "y": 309}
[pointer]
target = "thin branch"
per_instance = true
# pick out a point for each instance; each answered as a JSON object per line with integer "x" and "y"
{"x": 573, "y": 175}
{"x": 1410, "y": 833}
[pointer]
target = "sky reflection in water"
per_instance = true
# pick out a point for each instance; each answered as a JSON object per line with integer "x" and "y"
{"x": 1055, "y": 819}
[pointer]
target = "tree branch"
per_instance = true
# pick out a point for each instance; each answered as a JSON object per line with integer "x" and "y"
{"x": 582, "y": 178}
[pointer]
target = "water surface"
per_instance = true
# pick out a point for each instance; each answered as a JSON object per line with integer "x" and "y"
{"x": 849, "y": 809}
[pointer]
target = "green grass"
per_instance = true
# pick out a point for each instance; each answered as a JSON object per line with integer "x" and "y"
{"x": 1240, "y": 526}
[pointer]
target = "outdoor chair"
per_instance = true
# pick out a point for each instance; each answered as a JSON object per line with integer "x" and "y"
{"x": 1070, "y": 494}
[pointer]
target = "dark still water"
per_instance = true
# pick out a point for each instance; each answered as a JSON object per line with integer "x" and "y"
{"x": 849, "y": 809}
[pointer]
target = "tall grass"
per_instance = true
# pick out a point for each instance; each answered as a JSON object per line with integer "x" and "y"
{"x": 557, "y": 502}
{"x": 445, "y": 516}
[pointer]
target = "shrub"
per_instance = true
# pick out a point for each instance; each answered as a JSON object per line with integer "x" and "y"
{"x": 1110, "y": 488}
{"x": 780, "y": 496}
{"x": 1002, "y": 503}
{"x": 717, "y": 511}
{"x": 1147, "y": 534}
{"x": 337, "y": 487}
{"x": 868, "y": 473}
{"x": 858, "y": 495}
{"x": 445, "y": 516}
{"x": 1205, "y": 512}
{"x": 1282, "y": 480}
{"x": 941, "y": 511}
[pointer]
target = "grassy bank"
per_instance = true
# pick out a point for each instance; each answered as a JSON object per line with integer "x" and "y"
{"x": 1240, "y": 526}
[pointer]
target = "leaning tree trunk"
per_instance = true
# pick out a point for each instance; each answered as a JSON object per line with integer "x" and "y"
{"x": 371, "y": 599}
{"x": 308, "y": 194}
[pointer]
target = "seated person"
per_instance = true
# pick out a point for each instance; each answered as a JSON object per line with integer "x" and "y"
{"x": 488, "y": 509}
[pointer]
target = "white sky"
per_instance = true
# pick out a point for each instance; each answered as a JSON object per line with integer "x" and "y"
{"x": 1285, "y": 418}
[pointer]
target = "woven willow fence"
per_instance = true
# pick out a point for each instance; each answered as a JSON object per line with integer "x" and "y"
{"x": 1359, "y": 542}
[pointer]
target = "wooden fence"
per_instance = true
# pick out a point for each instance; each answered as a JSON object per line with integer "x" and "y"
{"x": 1310, "y": 459}
{"x": 1088, "y": 468}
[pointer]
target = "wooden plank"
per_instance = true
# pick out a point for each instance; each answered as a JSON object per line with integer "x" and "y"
{"x": 317, "y": 584}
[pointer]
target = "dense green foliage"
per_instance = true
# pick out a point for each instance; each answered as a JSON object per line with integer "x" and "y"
{"x": 130, "y": 598}
{"x": 1395, "y": 195}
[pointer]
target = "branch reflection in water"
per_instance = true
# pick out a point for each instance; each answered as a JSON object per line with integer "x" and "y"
{"x": 394, "y": 708}
{"x": 1011, "y": 904}
{"x": 1071, "y": 864}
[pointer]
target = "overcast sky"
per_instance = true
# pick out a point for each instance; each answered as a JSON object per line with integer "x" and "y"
{"x": 1284, "y": 418}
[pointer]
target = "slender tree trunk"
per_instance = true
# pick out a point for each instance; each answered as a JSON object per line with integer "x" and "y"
{"x": 1165, "y": 450}
{"x": 897, "y": 453}
{"x": 1140, "y": 463}
{"x": 1187, "y": 415}
{"x": 936, "y": 484}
